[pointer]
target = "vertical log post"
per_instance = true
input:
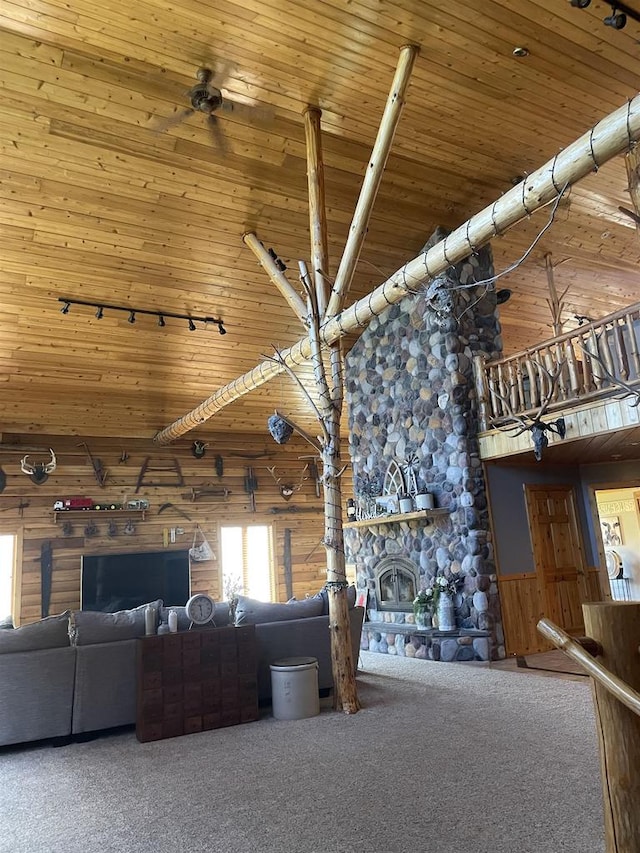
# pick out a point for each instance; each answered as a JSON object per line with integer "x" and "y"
{"x": 317, "y": 215}
{"x": 372, "y": 178}
{"x": 616, "y": 627}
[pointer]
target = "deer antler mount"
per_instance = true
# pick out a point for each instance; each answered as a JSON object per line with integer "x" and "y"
{"x": 286, "y": 489}
{"x": 534, "y": 423}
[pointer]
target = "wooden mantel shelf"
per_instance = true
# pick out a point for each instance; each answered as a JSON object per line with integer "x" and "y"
{"x": 418, "y": 515}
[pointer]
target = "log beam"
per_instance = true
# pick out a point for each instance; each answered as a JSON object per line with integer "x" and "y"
{"x": 317, "y": 210}
{"x": 605, "y": 140}
{"x": 294, "y": 300}
{"x": 372, "y": 178}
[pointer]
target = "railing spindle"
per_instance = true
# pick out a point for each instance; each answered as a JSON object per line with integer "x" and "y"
{"x": 633, "y": 342}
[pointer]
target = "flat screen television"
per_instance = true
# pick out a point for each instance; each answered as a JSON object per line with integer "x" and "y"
{"x": 110, "y": 582}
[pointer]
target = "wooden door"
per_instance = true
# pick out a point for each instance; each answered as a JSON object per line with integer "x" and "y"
{"x": 558, "y": 554}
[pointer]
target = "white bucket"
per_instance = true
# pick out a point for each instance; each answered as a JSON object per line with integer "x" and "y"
{"x": 294, "y": 688}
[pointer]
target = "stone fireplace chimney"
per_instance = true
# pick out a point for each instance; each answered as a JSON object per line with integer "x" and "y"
{"x": 411, "y": 401}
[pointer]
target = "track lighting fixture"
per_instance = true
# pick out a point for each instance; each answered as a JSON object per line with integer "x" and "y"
{"x": 102, "y": 307}
{"x": 616, "y": 19}
{"x": 619, "y": 13}
{"x": 503, "y": 296}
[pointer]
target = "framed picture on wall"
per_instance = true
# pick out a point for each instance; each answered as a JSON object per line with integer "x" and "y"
{"x": 611, "y": 531}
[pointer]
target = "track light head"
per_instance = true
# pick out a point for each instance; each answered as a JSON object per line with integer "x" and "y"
{"x": 221, "y": 328}
{"x": 503, "y": 296}
{"x": 161, "y": 321}
{"x": 132, "y": 317}
{"x": 580, "y": 4}
{"x": 192, "y": 325}
{"x": 616, "y": 19}
{"x": 65, "y": 308}
{"x": 99, "y": 312}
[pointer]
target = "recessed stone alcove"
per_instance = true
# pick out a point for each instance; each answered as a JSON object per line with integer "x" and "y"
{"x": 410, "y": 393}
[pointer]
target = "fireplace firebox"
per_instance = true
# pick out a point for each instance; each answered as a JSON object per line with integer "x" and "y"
{"x": 396, "y": 580}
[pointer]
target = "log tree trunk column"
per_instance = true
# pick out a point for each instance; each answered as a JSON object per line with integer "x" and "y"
{"x": 616, "y": 627}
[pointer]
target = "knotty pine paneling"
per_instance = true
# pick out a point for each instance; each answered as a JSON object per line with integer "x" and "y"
{"x": 521, "y": 607}
{"x": 74, "y": 476}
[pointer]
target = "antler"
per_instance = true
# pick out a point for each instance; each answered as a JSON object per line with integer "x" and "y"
{"x": 625, "y": 386}
{"x": 526, "y": 422}
{"x": 26, "y": 467}
{"x": 272, "y": 471}
{"x": 50, "y": 467}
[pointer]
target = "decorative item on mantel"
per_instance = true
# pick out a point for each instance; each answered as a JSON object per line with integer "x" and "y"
{"x": 444, "y": 591}
{"x": 405, "y": 502}
{"x": 423, "y": 607}
{"x": 424, "y": 500}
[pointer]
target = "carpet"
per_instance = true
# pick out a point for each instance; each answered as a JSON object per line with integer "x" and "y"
{"x": 442, "y": 758}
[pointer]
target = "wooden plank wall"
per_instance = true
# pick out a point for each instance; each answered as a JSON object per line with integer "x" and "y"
{"x": 522, "y": 605}
{"x": 74, "y": 475}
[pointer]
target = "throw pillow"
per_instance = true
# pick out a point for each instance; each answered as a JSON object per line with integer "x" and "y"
{"x": 87, "y": 627}
{"x": 249, "y": 611}
{"x": 49, "y": 633}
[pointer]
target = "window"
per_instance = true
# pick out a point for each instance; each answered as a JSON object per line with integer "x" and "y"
{"x": 7, "y": 559}
{"x": 247, "y": 561}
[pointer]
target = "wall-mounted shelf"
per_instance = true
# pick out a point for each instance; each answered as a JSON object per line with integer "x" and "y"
{"x": 98, "y": 513}
{"x": 418, "y": 515}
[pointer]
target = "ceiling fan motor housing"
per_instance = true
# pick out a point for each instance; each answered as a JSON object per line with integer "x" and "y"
{"x": 205, "y": 99}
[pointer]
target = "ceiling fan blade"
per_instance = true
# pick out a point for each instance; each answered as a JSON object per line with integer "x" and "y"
{"x": 161, "y": 124}
{"x": 217, "y": 135}
{"x": 630, "y": 213}
{"x": 252, "y": 114}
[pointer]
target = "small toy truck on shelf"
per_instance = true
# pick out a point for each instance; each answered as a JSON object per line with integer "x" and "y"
{"x": 73, "y": 503}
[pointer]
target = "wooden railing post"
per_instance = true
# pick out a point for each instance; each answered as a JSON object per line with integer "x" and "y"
{"x": 616, "y": 627}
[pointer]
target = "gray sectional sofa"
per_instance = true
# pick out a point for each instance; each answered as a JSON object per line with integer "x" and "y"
{"x": 76, "y": 672}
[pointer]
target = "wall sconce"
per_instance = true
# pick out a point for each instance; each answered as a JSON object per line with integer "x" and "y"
{"x": 101, "y": 307}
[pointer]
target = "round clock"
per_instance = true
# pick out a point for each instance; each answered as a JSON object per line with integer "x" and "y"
{"x": 200, "y": 609}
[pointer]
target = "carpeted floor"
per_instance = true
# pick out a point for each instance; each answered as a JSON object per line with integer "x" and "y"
{"x": 443, "y": 758}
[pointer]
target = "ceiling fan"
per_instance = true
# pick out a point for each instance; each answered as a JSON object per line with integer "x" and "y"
{"x": 206, "y": 97}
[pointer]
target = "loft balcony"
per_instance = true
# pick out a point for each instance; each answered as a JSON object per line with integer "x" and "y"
{"x": 584, "y": 383}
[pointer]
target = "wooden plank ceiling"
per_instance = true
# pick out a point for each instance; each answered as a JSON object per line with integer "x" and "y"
{"x": 102, "y": 198}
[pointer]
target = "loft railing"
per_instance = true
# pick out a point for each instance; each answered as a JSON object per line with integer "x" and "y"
{"x": 559, "y": 373}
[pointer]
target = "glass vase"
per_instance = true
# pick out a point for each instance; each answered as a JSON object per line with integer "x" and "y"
{"x": 423, "y": 619}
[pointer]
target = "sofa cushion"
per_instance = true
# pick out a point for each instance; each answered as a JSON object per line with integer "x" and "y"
{"x": 91, "y": 626}
{"x": 220, "y": 617}
{"x": 249, "y": 611}
{"x": 49, "y": 633}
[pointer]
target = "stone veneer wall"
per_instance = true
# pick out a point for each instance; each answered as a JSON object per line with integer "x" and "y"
{"x": 410, "y": 390}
